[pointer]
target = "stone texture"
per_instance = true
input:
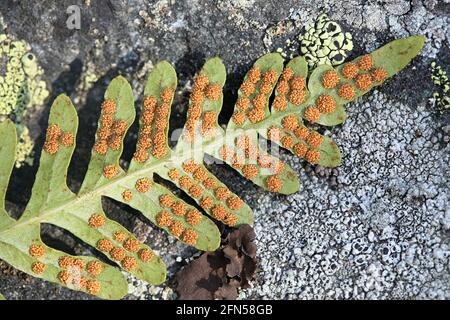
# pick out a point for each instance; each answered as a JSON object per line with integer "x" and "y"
{"x": 376, "y": 227}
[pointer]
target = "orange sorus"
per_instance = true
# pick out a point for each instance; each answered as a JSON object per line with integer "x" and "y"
{"x": 166, "y": 200}
{"x": 147, "y": 117}
{"x": 219, "y": 212}
{"x": 270, "y": 76}
{"x": 115, "y": 142}
{"x": 222, "y": 193}
{"x": 365, "y": 62}
{"x": 101, "y": 146}
{"x": 298, "y": 83}
{"x": 363, "y": 81}
{"x": 287, "y": 142}
{"x": 234, "y": 202}
{"x": 379, "y": 75}
{"x": 96, "y": 220}
{"x": 141, "y": 155}
{"x": 166, "y": 94}
{"x": 206, "y": 203}
{"x": 210, "y": 183}
{"x": 201, "y": 81}
{"x": 287, "y": 74}
{"x": 110, "y": 171}
{"x": 159, "y": 151}
{"x": 239, "y": 117}
{"x": 196, "y": 191}
{"x": 93, "y": 286}
{"x": 213, "y": 92}
{"x": 330, "y": 79}
{"x": 190, "y": 166}
{"x": 144, "y": 142}
{"x": 280, "y": 103}
{"x": 313, "y": 156}
{"x": 200, "y": 174}
{"x": 149, "y": 103}
{"x": 300, "y": 149}
{"x": 79, "y": 263}
{"x": 190, "y": 237}
{"x": 107, "y": 120}
{"x": 250, "y": 171}
{"x": 132, "y": 245}
{"x": 326, "y": 103}
{"x": 254, "y": 75}
{"x": 109, "y": 106}
{"x": 350, "y": 70}
{"x": 173, "y": 174}
{"x": 38, "y": 267}
{"x": 209, "y": 118}
{"x": 117, "y": 254}
{"x": 197, "y": 96}
{"x": 178, "y": 208}
{"x": 264, "y": 160}
{"x": 94, "y": 267}
{"x": 283, "y": 87}
{"x": 247, "y": 88}
{"x": 274, "y": 183}
{"x": 64, "y": 277}
{"x": 230, "y": 219}
{"x": 347, "y": 91}
{"x": 65, "y": 262}
{"x": 53, "y": 132}
{"x": 243, "y": 103}
{"x": 265, "y": 88}
{"x": 314, "y": 139}
{"x": 297, "y": 97}
{"x": 259, "y": 101}
{"x": 164, "y": 219}
{"x": 51, "y": 147}
{"x": 104, "y": 245}
{"x": 36, "y": 251}
{"x": 256, "y": 115}
{"x": 104, "y": 133}
{"x": 119, "y": 127}
{"x": 176, "y": 228}
{"x": 301, "y": 132}
{"x": 145, "y": 255}
{"x": 185, "y": 182}
{"x": 119, "y": 236}
{"x": 290, "y": 122}
{"x": 312, "y": 114}
{"x": 193, "y": 217}
{"x": 142, "y": 185}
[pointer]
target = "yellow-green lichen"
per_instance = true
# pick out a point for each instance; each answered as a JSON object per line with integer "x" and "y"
{"x": 325, "y": 43}
{"x": 440, "y": 79}
{"x": 21, "y": 88}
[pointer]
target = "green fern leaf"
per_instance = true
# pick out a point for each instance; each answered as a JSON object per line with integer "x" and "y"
{"x": 300, "y": 98}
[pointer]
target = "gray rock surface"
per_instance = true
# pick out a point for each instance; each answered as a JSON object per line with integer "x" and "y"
{"x": 376, "y": 227}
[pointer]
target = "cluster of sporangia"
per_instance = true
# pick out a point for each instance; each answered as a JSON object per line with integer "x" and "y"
{"x": 363, "y": 75}
{"x": 77, "y": 273}
{"x": 152, "y": 135}
{"x": 201, "y": 90}
{"x": 55, "y": 138}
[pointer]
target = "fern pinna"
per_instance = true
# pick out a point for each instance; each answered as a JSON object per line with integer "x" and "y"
{"x": 319, "y": 100}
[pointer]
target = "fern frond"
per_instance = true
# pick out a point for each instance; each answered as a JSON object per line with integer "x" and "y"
{"x": 319, "y": 100}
